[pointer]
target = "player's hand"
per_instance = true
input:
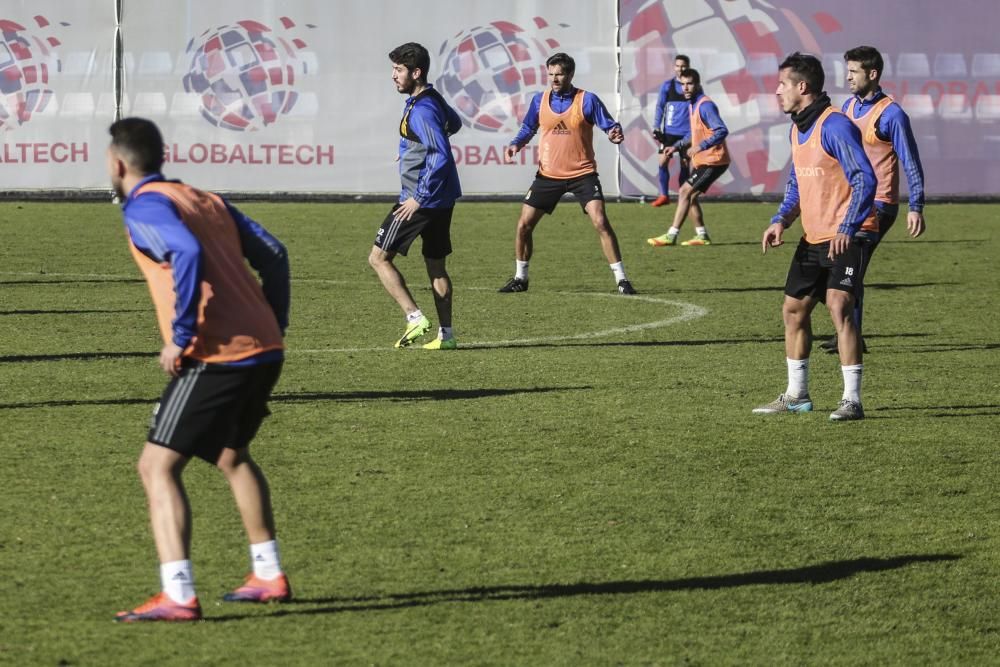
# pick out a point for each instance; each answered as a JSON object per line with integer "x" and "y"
{"x": 838, "y": 245}
{"x": 669, "y": 151}
{"x": 406, "y": 210}
{"x": 692, "y": 151}
{"x": 772, "y": 237}
{"x": 170, "y": 359}
{"x": 915, "y": 223}
{"x": 615, "y": 134}
{"x": 510, "y": 152}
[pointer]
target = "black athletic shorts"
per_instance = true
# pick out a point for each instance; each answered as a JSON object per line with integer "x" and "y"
{"x": 209, "y": 407}
{"x": 546, "y": 192}
{"x": 702, "y": 177}
{"x": 812, "y": 272}
{"x": 432, "y": 224}
{"x": 669, "y": 140}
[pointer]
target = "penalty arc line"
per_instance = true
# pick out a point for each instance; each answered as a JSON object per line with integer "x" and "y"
{"x": 688, "y": 312}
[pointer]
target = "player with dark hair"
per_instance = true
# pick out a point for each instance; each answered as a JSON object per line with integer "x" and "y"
{"x": 705, "y": 145}
{"x": 222, "y": 348}
{"x": 566, "y": 116}
{"x": 430, "y": 187}
{"x": 670, "y": 124}
{"x": 832, "y": 187}
{"x": 888, "y": 140}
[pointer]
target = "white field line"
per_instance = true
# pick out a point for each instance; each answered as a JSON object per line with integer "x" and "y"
{"x": 688, "y": 312}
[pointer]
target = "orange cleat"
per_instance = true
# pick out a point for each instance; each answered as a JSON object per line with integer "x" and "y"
{"x": 255, "y": 589}
{"x": 662, "y": 200}
{"x": 161, "y": 607}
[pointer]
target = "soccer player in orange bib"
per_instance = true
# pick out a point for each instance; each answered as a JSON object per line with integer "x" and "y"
{"x": 223, "y": 347}
{"x": 889, "y": 143}
{"x": 566, "y": 116}
{"x": 705, "y": 146}
{"x": 832, "y": 188}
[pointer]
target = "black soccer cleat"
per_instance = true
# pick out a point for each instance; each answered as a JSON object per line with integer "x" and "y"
{"x": 625, "y": 287}
{"x": 515, "y": 284}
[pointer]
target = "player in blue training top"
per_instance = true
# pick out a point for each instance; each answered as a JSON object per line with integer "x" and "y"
{"x": 705, "y": 145}
{"x": 430, "y": 187}
{"x": 222, "y": 348}
{"x": 888, "y": 141}
{"x": 670, "y": 124}
{"x": 566, "y": 116}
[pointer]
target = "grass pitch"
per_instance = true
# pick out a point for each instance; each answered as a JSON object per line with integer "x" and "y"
{"x": 581, "y": 483}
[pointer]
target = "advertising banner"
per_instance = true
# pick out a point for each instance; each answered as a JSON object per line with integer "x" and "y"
{"x": 942, "y": 66}
{"x": 56, "y": 92}
{"x": 297, "y": 96}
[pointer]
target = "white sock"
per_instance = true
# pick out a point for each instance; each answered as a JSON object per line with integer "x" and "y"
{"x": 445, "y": 333}
{"x": 520, "y": 269}
{"x": 700, "y": 231}
{"x": 265, "y": 559}
{"x": 673, "y": 232}
{"x": 852, "y": 382}
{"x": 618, "y": 268}
{"x": 177, "y": 580}
{"x": 414, "y": 316}
{"x": 798, "y": 377}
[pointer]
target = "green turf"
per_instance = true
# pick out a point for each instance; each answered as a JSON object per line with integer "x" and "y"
{"x": 597, "y": 499}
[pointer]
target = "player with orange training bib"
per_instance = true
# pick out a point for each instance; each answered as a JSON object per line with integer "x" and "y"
{"x": 832, "y": 188}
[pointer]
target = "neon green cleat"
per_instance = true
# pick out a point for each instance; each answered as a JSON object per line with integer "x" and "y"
{"x": 414, "y": 330}
{"x": 663, "y": 240}
{"x": 701, "y": 239}
{"x": 438, "y": 344}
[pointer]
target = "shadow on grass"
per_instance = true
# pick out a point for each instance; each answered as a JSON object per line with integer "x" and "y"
{"x": 71, "y": 312}
{"x": 75, "y": 356}
{"x": 949, "y": 411}
{"x": 127, "y": 281}
{"x": 810, "y": 574}
{"x": 339, "y": 396}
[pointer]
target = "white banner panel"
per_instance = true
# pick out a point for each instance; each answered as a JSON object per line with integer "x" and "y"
{"x": 56, "y": 92}
{"x": 297, "y": 95}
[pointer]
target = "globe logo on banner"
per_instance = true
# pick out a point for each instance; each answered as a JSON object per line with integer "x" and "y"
{"x": 245, "y": 74}
{"x": 491, "y": 73}
{"x": 736, "y": 46}
{"x": 27, "y": 61}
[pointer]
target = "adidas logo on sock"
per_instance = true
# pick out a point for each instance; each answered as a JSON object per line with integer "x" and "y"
{"x": 259, "y": 558}
{"x": 180, "y": 576}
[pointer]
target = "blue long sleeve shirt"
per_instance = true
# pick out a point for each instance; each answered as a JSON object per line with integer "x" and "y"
{"x": 672, "y": 115}
{"x": 594, "y": 112}
{"x": 709, "y": 113}
{"x": 841, "y": 139}
{"x": 894, "y": 125}
{"x": 427, "y": 169}
{"x": 155, "y": 228}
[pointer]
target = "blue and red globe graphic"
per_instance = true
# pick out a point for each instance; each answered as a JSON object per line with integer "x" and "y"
{"x": 244, "y": 74}
{"x": 27, "y": 61}
{"x": 490, "y": 73}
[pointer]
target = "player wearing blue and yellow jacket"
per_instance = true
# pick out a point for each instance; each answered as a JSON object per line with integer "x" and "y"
{"x": 427, "y": 168}
{"x": 429, "y": 188}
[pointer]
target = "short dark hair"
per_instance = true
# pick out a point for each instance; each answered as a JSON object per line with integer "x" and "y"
{"x": 808, "y": 68}
{"x": 564, "y": 60}
{"x": 868, "y": 57}
{"x": 681, "y": 56}
{"x": 692, "y": 74}
{"x": 412, "y": 56}
{"x": 139, "y": 143}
